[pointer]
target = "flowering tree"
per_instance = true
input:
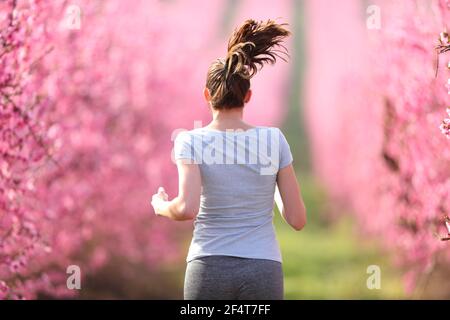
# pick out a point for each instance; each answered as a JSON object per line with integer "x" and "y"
{"x": 90, "y": 94}
{"x": 87, "y": 116}
{"x": 374, "y": 108}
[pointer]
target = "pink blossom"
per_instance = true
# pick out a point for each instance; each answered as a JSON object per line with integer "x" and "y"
{"x": 373, "y": 108}
{"x": 85, "y": 124}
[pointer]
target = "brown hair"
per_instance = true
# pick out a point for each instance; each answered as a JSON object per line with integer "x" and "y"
{"x": 249, "y": 48}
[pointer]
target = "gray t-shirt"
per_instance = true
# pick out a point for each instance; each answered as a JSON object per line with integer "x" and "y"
{"x": 238, "y": 171}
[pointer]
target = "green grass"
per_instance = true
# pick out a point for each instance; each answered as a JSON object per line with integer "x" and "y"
{"x": 328, "y": 261}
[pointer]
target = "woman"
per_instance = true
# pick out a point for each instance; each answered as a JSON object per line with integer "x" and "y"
{"x": 228, "y": 172}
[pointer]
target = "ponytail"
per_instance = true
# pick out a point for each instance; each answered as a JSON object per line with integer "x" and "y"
{"x": 249, "y": 48}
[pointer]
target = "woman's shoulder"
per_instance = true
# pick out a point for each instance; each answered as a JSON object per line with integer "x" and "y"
{"x": 188, "y": 136}
{"x": 202, "y": 131}
{"x": 271, "y": 129}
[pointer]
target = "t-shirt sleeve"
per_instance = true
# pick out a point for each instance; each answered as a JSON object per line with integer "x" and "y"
{"x": 285, "y": 151}
{"x": 183, "y": 146}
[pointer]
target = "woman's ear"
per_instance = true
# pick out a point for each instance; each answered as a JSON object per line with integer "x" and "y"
{"x": 207, "y": 95}
{"x": 248, "y": 95}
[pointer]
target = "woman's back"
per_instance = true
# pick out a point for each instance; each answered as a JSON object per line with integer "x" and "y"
{"x": 238, "y": 172}
{"x": 227, "y": 180}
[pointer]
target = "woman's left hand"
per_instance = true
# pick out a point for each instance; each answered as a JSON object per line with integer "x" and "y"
{"x": 159, "y": 199}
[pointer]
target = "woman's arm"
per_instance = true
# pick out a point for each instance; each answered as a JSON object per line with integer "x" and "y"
{"x": 186, "y": 205}
{"x": 294, "y": 211}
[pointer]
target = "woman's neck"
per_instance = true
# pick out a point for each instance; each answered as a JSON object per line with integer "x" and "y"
{"x": 228, "y": 119}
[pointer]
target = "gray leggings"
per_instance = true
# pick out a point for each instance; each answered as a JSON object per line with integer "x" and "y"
{"x": 233, "y": 278}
